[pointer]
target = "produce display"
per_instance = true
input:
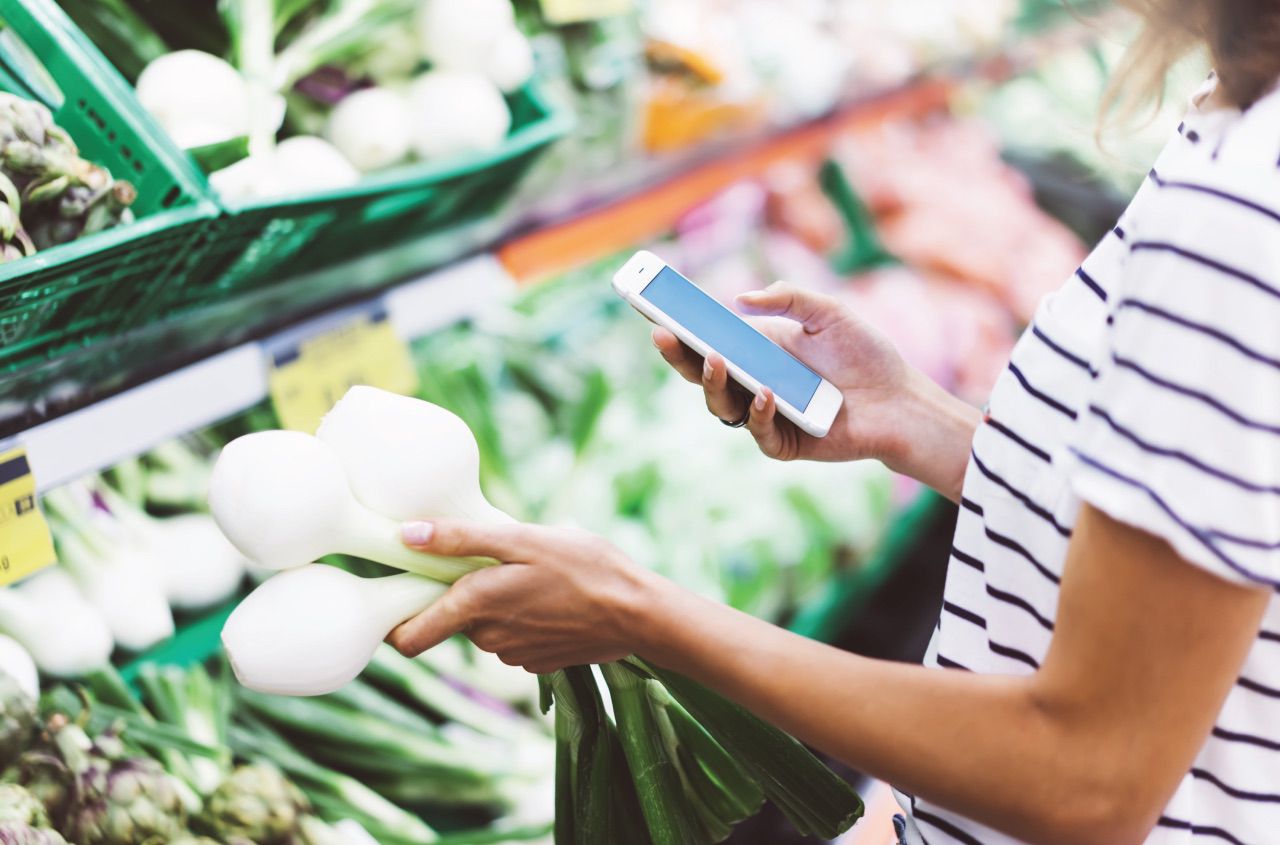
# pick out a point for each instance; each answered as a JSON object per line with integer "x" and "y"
{"x": 298, "y": 97}
{"x": 192, "y": 760}
{"x": 50, "y": 194}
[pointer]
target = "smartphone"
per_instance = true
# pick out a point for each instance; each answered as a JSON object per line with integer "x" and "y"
{"x": 669, "y": 299}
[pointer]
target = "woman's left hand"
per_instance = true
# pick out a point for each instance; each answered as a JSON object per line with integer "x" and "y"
{"x": 561, "y": 597}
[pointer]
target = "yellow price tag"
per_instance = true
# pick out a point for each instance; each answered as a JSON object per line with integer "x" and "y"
{"x": 559, "y": 12}
{"x": 25, "y": 542}
{"x": 307, "y": 379}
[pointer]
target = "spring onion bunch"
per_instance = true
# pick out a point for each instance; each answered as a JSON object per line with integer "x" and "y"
{"x": 47, "y": 615}
{"x": 680, "y": 763}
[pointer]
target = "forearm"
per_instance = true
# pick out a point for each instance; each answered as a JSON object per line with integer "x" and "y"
{"x": 982, "y": 746}
{"x": 933, "y": 441}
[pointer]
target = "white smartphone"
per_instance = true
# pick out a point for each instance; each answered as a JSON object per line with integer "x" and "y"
{"x": 669, "y": 299}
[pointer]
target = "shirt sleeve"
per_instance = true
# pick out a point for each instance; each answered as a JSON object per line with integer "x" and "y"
{"x": 1181, "y": 432}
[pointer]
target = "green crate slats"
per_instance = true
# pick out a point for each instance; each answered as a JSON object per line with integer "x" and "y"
{"x": 257, "y": 245}
{"x": 107, "y": 283}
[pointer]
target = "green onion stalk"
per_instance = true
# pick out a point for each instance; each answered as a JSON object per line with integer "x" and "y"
{"x": 690, "y": 788}
{"x": 409, "y": 765}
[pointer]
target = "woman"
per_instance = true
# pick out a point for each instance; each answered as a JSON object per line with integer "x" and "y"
{"x": 1106, "y": 667}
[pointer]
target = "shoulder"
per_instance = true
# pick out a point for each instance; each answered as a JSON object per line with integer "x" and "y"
{"x": 1210, "y": 214}
{"x": 1224, "y": 162}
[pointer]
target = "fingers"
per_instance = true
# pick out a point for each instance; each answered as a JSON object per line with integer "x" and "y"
{"x": 724, "y": 400}
{"x": 446, "y": 617}
{"x": 763, "y": 423}
{"x": 468, "y": 603}
{"x": 682, "y": 359}
{"x": 814, "y": 311}
{"x": 461, "y": 538}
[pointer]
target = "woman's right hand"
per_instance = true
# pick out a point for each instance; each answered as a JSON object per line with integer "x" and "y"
{"x": 891, "y": 412}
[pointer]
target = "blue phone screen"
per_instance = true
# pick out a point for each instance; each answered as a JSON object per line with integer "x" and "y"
{"x": 728, "y": 334}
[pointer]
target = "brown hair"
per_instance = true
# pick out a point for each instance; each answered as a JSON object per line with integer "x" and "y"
{"x": 1242, "y": 38}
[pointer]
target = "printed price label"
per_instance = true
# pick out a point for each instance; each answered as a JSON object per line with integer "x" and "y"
{"x": 559, "y": 12}
{"x": 308, "y": 377}
{"x": 25, "y": 542}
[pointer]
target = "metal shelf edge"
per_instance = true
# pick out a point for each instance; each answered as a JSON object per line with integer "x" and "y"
{"x": 106, "y": 432}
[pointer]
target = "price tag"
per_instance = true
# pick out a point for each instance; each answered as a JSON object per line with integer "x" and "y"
{"x": 559, "y": 12}
{"x": 25, "y": 542}
{"x": 308, "y": 377}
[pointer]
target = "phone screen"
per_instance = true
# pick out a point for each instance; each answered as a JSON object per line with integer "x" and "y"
{"x": 728, "y": 334}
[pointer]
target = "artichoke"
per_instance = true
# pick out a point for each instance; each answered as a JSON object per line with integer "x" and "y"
{"x": 17, "y": 719}
{"x": 47, "y": 778}
{"x": 127, "y": 802}
{"x": 94, "y": 794}
{"x": 18, "y": 806}
{"x": 15, "y": 833}
{"x": 255, "y": 802}
{"x": 50, "y": 194}
{"x": 14, "y": 240}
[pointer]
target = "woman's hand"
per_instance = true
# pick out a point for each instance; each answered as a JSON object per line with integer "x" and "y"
{"x": 561, "y": 597}
{"x": 830, "y": 338}
{"x": 891, "y": 412}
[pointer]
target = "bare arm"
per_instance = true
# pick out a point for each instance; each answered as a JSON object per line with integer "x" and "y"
{"x": 891, "y": 412}
{"x": 1087, "y": 749}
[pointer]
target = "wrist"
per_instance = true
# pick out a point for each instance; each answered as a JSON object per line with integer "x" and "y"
{"x": 932, "y": 439}
{"x": 646, "y": 612}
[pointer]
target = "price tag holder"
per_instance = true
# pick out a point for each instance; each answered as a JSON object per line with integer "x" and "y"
{"x": 560, "y": 12}
{"x": 25, "y": 542}
{"x": 309, "y": 374}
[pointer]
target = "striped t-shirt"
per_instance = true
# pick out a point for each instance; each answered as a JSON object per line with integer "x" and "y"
{"x": 1149, "y": 387}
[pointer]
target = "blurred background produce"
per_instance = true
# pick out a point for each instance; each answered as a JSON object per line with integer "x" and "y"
{"x": 273, "y": 169}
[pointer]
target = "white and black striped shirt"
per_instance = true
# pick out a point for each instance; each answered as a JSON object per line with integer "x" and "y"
{"x": 1148, "y": 386}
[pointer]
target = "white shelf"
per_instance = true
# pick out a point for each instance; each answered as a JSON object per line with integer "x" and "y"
{"x": 100, "y": 435}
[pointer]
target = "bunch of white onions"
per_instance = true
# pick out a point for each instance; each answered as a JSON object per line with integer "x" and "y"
{"x": 47, "y": 615}
{"x": 285, "y": 499}
{"x": 476, "y": 53}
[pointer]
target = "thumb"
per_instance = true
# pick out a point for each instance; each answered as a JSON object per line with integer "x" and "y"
{"x": 463, "y": 538}
{"x": 813, "y": 311}
{"x": 440, "y": 621}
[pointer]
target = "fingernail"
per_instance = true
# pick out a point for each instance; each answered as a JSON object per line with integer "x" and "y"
{"x": 416, "y": 533}
{"x": 706, "y": 370}
{"x": 760, "y": 402}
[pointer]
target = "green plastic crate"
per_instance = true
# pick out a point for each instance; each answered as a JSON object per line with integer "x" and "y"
{"x": 261, "y": 244}
{"x": 253, "y": 251}
{"x": 73, "y": 294}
